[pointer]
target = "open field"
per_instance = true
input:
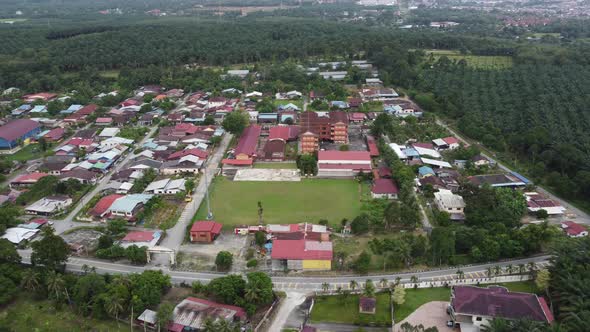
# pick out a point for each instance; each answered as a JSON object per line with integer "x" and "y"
{"x": 474, "y": 61}
{"x": 26, "y": 314}
{"x": 235, "y": 203}
{"x": 31, "y": 151}
{"x": 336, "y": 309}
{"x": 276, "y": 165}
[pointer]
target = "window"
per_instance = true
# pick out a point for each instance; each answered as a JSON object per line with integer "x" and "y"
{"x": 478, "y": 319}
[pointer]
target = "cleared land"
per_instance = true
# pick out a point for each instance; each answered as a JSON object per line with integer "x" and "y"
{"x": 336, "y": 309}
{"x": 235, "y": 203}
{"x": 276, "y": 165}
{"x": 26, "y": 314}
{"x": 474, "y": 61}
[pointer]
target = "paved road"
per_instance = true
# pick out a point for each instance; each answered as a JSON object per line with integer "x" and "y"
{"x": 68, "y": 222}
{"x": 175, "y": 235}
{"x": 579, "y": 215}
{"x": 300, "y": 284}
{"x": 289, "y": 303}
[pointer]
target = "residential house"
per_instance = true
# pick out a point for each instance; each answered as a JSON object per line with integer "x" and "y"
{"x": 55, "y": 135}
{"x": 79, "y": 174}
{"x": 573, "y": 229}
{"x": 378, "y": 94}
{"x": 372, "y": 146}
{"x": 500, "y": 180}
{"x": 453, "y": 204}
{"x": 474, "y": 307}
{"x": 426, "y": 149}
{"x": 128, "y": 206}
{"x": 49, "y": 205}
{"x": 274, "y": 150}
{"x": 193, "y": 313}
{"x": 44, "y": 96}
{"x": 166, "y": 187}
{"x": 205, "y": 231}
{"x": 17, "y": 131}
{"x": 18, "y": 235}
{"x": 147, "y": 239}
{"x": 246, "y": 148}
{"x": 27, "y": 180}
{"x": 101, "y": 209}
{"x": 109, "y": 132}
{"x": 108, "y": 121}
{"x": 343, "y": 163}
{"x": 374, "y": 82}
{"x": 480, "y": 161}
{"x": 384, "y": 188}
{"x": 187, "y": 164}
{"x": 356, "y": 117}
{"x": 241, "y": 73}
{"x": 425, "y": 171}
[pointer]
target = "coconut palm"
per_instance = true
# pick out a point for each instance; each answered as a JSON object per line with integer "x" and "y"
{"x": 325, "y": 287}
{"x": 509, "y": 269}
{"x": 251, "y": 295}
{"x": 460, "y": 274}
{"x": 383, "y": 282}
{"x": 30, "y": 280}
{"x": 164, "y": 314}
{"x": 56, "y": 286}
{"x": 114, "y": 306}
{"x": 414, "y": 280}
{"x": 531, "y": 267}
{"x": 398, "y": 280}
{"x": 369, "y": 288}
{"x": 353, "y": 285}
{"x": 497, "y": 270}
{"x": 490, "y": 272}
{"x": 521, "y": 269}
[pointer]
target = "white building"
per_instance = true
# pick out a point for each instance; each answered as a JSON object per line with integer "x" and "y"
{"x": 166, "y": 187}
{"x": 109, "y": 132}
{"x": 451, "y": 203}
{"x": 340, "y": 164}
{"x": 49, "y": 205}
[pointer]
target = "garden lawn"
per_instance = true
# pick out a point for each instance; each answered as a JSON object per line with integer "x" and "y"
{"x": 235, "y": 203}
{"x": 336, "y": 309}
{"x": 26, "y": 314}
{"x": 276, "y": 165}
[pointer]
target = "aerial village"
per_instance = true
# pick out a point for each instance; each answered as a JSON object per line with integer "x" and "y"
{"x": 244, "y": 180}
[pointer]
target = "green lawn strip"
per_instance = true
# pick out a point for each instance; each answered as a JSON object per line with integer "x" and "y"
{"x": 276, "y": 165}
{"x": 235, "y": 203}
{"x": 417, "y": 297}
{"x": 26, "y": 314}
{"x": 336, "y": 309}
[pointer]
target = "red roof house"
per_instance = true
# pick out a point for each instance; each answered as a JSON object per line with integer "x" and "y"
{"x": 302, "y": 249}
{"x": 55, "y": 135}
{"x": 194, "y": 152}
{"x": 343, "y": 163}
{"x": 372, "y": 146}
{"x": 205, "y": 231}
{"x": 497, "y": 302}
{"x": 573, "y": 229}
{"x": 384, "y": 188}
{"x": 286, "y": 133}
{"x": 45, "y": 96}
{"x": 101, "y": 208}
{"x": 27, "y": 180}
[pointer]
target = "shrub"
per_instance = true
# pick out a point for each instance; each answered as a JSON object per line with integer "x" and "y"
{"x": 252, "y": 263}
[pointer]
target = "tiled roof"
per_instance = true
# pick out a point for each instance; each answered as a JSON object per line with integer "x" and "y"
{"x": 206, "y": 226}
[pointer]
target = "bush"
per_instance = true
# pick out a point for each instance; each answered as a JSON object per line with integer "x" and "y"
{"x": 252, "y": 263}
{"x": 198, "y": 287}
{"x": 224, "y": 260}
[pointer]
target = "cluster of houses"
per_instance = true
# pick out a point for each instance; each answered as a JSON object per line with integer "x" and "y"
{"x": 26, "y": 231}
{"x": 199, "y": 105}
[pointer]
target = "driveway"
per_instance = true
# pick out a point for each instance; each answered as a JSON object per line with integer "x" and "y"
{"x": 429, "y": 314}
{"x": 290, "y": 303}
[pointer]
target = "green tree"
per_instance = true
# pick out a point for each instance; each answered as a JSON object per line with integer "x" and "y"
{"x": 353, "y": 285}
{"x": 369, "y": 289}
{"x": 259, "y": 283}
{"x": 116, "y": 227}
{"x": 362, "y": 263}
{"x": 235, "y": 122}
{"x": 260, "y": 238}
{"x": 209, "y": 120}
{"x": 224, "y": 260}
{"x": 360, "y": 224}
{"x": 9, "y": 289}
{"x": 8, "y": 253}
{"x": 31, "y": 280}
{"x": 399, "y": 295}
{"x": 189, "y": 185}
{"x": 51, "y": 251}
{"x": 229, "y": 289}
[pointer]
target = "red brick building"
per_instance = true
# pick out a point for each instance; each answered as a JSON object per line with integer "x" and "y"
{"x": 330, "y": 127}
{"x": 205, "y": 231}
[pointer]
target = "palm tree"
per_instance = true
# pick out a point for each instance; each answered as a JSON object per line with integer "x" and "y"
{"x": 251, "y": 294}
{"x": 55, "y": 284}
{"x": 497, "y": 270}
{"x": 489, "y": 272}
{"x": 325, "y": 287}
{"x": 353, "y": 285}
{"x": 383, "y": 282}
{"x": 398, "y": 280}
{"x": 521, "y": 270}
{"x": 531, "y": 267}
{"x": 414, "y": 280}
{"x": 30, "y": 280}
{"x": 496, "y": 325}
{"x": 509, "y": 269}
{"x": 164, "y": 314}
{"x": 369, "y": 288}
{"x": 114, "y": 306}
{"x": 460, "y": 274}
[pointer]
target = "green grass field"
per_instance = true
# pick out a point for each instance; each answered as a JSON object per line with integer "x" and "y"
{"x": 26, "y": 314}
{"x": 335, "y": 309}
{"x": 276, "y": 165}
{"x": 474, "y": 61}
{"x": 235, "y": 203}
{"x": 28, "y": 152}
